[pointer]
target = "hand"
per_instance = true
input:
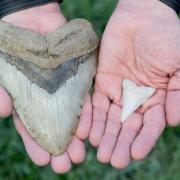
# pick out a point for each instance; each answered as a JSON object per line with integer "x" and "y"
{"x": 45, "y": 19}
{"x": 141, "y": 43}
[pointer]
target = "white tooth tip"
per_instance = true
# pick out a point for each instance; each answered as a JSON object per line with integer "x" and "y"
{"x": 133, "y": 97}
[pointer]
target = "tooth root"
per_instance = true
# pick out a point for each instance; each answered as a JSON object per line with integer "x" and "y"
{"x": 133, "y": 97}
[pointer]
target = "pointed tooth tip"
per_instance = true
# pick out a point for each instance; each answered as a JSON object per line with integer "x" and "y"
{"x": 127, "y": 82}
{"x": 153, "y": 90}
{"x": 123, "y": 120}
{"x": 124, "y": 117}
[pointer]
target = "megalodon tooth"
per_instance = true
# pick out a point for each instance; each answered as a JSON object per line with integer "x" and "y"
{"x": 48, "y": 78}
{"x": 133, "y": 97}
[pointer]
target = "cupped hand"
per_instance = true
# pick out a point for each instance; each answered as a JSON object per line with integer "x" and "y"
{"x": 141, "y": 43}
{"x": 45, "y": 19}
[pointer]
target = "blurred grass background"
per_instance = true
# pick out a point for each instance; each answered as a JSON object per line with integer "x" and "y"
{"x": 162, "y": 164}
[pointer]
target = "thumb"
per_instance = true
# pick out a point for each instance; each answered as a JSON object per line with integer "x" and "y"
{"x": 173, "y": 101}
{"x": 5, "y": 103}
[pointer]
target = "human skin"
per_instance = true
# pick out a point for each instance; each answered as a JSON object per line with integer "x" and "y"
{"x": 142, "y": 43}
{"x": 45, "y": 19}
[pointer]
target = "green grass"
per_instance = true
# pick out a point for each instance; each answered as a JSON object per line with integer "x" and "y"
{"x": 162, "y": 164}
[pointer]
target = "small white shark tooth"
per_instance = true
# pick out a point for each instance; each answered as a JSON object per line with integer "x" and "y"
{"x": 133, "y": 97}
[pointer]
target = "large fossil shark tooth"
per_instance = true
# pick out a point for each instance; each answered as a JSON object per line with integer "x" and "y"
{"x": 133, "y": 97}
{"x": 48, "y": 78}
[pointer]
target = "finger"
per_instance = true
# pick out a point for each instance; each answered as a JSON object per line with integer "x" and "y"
{"x": 154, "y": 124}
{"x": 5, "y": 103}
{"x": 76, "y": 150}
{"x": 130, "y": 129}
{"x": 109, "y": 139}
{"x": 172, "y": 101}
{"x": 61, "y": 164}
{"x": 37, "y": 154}
{"x": 100, "y": 109}
{"x": 173, "y": 108}
{"x": 85, "y": 120}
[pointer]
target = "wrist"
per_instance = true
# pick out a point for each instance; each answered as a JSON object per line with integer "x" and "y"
{"x": 39, "y": 18}
{"x": 138, "y": 3}
{"x": 33, "y": 12}
{"x": 174, "y": 4}
{"x": 145, "y": 5}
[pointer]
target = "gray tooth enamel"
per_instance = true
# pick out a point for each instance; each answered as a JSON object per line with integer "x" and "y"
{"x": 49, "y": 80}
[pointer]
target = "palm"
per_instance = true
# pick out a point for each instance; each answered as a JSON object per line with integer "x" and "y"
{"x": 146, "y": 52}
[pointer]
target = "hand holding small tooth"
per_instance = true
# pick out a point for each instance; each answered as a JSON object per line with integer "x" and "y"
{"x": 141, "y": 43}
{"x": 33, "y": 19}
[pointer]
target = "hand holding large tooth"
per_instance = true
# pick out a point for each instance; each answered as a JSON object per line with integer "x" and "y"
{"x": 141, "y": 43}
{"x": 18, "y": 78}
